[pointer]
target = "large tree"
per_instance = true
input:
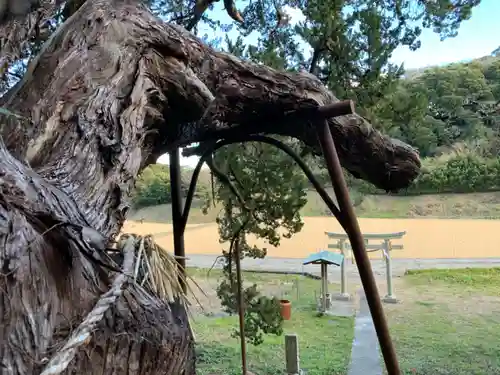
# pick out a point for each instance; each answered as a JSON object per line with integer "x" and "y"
{"x": 112, "y": 89}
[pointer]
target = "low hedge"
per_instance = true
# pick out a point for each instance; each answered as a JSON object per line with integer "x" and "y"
{"x": 462, "y": 173}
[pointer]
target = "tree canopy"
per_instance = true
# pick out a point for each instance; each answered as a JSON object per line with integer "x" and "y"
{"x": 445, "y": 105}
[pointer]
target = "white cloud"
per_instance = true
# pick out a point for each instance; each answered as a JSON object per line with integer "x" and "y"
{"x": 295, "y": 14}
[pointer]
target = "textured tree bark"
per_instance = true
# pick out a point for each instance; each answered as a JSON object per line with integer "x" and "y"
{"x": 47, "y": 285}
{"x": 107, "y": 50}
{"x": 112, "y": 90}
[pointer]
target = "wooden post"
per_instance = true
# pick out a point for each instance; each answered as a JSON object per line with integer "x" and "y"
{"x": 327, "y": 293}
{"x": 323, "y": 287}
{"x": 292, "y": 354}
{"x": 390, "y": 297}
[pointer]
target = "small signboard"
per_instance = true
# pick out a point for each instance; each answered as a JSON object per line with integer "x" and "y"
{"x": 324, "y": 257}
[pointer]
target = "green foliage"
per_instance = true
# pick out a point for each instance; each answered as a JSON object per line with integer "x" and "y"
{"x": 442, "y": 106}
{"x": 459, "y": 173}
{"x": 262, "y": 314}
{"x": 273, "y": 191}
{"x": 153, "y": 186}
{"x": 271, "y": 184}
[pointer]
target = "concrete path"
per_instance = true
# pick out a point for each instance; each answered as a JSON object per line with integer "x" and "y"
{"x": 399, "y": 266}
{"x": 365, "y": 354}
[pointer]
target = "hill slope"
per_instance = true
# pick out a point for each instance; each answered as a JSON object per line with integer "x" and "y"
{"x": 477, "y": 205}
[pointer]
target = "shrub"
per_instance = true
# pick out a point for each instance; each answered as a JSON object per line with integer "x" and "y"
{"x": 458, "y": 173}
{"x": 153, "y": 186}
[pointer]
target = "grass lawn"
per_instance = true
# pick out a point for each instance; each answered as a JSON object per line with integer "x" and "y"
{"x": 448, "y": 322}
{"x": 459, "y": 206}
{"x": 324, "y": 342}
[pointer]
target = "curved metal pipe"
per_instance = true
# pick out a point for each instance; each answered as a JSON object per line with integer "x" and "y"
{"x": 358, "y": 246}
{"x": 340, "y": 108}
{"x": 264, "y": 139}
{"x": 190, "y": 194}
{"x": 307, "y": 171}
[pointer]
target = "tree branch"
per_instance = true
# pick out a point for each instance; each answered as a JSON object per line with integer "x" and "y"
{"x": 165, "y": 82}
{"x": 315, "y": 58}
{"x": 199, "y": 8}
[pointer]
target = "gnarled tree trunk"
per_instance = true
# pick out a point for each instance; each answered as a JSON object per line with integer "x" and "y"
{"x": 113, "y": 89}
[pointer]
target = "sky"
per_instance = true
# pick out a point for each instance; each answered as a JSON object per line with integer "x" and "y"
{"x": 477, "y": 37}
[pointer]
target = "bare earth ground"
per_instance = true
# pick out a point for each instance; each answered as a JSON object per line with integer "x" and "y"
{"x": 425, "y": 238}
{"x": 445, "y": 323}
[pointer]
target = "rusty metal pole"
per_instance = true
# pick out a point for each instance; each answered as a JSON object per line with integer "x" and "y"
{"x": 351, "y": 226}
{"x": 177, "y": 222}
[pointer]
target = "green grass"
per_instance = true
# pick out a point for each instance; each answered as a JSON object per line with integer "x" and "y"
{"x": 477, "y": 205}
{"x": 435, "y": 342}
{"x": 325, "y": 342}
{"x": 447, "y": 324}
{"x": 485, "y": 281}
{"x": 453, "y": 329}
{"x": 325, "y": 345}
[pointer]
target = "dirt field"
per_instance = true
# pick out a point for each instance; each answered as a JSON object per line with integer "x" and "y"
{"x": 425, "y": 238}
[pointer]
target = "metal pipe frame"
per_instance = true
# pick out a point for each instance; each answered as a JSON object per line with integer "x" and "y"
{"x": 344, "y": 213}
{"x": 178, "y": 228}
{"x": 358, "y": 246}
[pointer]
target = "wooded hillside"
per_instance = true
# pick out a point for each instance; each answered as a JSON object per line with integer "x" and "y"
{"x": 443, "y": 106}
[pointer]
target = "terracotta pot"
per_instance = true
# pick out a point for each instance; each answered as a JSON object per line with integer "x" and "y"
{"x": 286, "y": 309}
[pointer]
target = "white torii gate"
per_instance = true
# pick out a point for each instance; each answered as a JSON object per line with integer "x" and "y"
{"x": 385, "y": 245}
